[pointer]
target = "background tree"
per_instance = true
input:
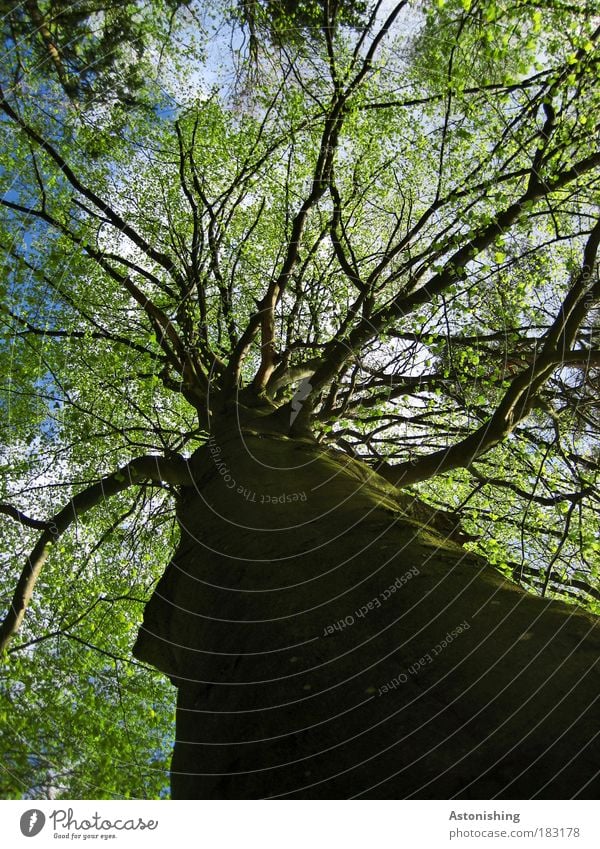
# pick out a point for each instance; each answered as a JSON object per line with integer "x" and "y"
{"x": 382, "y": 253}
{"x": 95, "y": 50}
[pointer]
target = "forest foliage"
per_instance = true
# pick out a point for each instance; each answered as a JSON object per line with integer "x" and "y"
{"x": 394, "y": 203}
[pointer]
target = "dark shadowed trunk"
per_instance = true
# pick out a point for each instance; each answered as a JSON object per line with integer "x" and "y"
{"x": 326, "y": 644}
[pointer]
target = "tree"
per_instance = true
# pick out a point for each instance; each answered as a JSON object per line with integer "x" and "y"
{"x": 330, "y": 337}
{"x": 95, "y": 50}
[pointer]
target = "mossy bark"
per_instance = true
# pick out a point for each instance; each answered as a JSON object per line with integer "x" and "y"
{"x": 328, "y": 645}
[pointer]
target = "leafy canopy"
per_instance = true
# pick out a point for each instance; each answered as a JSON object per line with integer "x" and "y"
{"x": 397, "y": 215}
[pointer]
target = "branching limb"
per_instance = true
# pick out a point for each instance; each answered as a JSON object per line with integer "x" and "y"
{"x": 77, "y": 334}
{"x": 111, "y": 214}
{"x": 172, "y": 470}
{"x": 342, "y": 346}
{"x": 43, "y": 30}
{"x": 264, "y": 318}
{"x": 544, "y": 500}
{"x": 18, "y": 516}
{"x": 522, "y": 392}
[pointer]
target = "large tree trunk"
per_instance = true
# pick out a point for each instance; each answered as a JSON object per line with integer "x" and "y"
{"x": 327, "y": 645}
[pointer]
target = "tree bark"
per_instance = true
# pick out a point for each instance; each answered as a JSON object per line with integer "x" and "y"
{"x": 327, "y": 644}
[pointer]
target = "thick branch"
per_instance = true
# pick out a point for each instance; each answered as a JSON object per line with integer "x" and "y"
{"x": 173, "y": 470}
{"x": 522, "y": 392}
{"x": 18, "y": 516}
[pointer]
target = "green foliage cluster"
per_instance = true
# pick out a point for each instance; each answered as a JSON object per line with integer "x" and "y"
{"x": 289, "y": 21}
